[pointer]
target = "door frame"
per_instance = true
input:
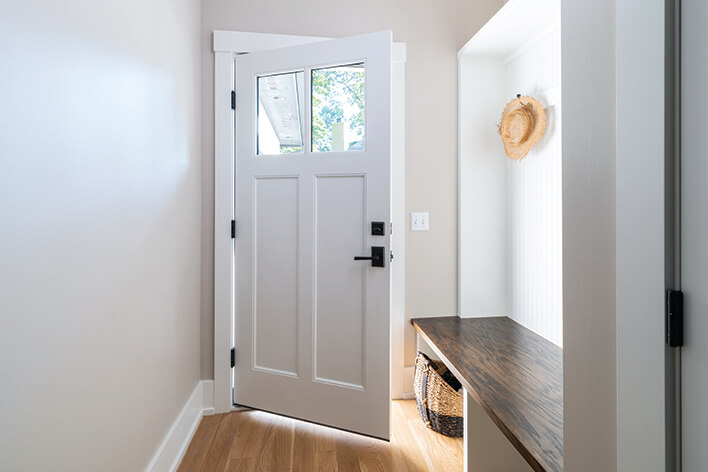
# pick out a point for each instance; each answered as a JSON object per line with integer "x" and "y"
{"x": 647, "y": 242}
{"x": 227, "y": 45}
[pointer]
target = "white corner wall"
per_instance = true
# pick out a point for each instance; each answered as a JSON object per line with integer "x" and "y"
{"x": 510, "y": 212}
{"x": 482, "y": 243}
{"x": 100, "y": 240}
{"x": 534, "y": 195}
{"x": 589, "y": 369}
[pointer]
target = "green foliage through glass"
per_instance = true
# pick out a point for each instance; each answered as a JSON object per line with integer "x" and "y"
{"x": 338, "y": 108}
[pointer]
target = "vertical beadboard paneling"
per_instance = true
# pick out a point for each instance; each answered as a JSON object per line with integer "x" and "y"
{"x": 534, "y": 199}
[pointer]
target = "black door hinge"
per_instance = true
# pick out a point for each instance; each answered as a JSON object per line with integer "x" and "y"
{"x": 233, "y": 357}
{"x": 233, "y": 229}
{"x": 233, "y": 99}
{"x": 674, "y": 318}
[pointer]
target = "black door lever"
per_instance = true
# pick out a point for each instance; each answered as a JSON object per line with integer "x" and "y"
{"x": 377, "y": 257}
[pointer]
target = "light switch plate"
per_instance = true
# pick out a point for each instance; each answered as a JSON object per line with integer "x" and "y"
{"x": 419, "y": 221}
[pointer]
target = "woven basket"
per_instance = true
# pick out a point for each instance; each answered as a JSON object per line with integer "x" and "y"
{"x": 436, "y": 393}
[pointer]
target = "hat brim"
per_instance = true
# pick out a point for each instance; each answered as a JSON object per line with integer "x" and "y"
{"x": 538, "y": 127}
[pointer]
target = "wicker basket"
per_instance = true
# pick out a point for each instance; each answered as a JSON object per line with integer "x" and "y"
{"x": 436, "y": 393}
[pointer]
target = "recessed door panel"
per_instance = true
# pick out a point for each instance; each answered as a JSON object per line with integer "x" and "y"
{"x": 275, "y": 274}
{"x": 340, "y": 282}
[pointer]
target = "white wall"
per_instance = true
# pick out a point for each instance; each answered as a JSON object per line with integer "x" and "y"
{"x": 589, "y": 370}
{"x": 482, "y": 254}
{"x": 534, "y": 195}
{"x": 432, "y": 32}
{"x": 510, "y": 242}
{"x": 100, "y": 229}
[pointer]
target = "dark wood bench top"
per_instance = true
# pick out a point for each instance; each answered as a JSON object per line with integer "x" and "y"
{"x": 515, "y": 375}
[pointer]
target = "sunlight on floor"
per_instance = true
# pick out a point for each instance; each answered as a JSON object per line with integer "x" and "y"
{"x": 255, "y": 440}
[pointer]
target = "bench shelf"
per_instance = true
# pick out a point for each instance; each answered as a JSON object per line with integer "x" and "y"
{"x": 515, "y": 375}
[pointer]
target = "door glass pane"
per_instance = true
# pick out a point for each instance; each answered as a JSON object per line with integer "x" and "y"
{"x": 338, "y": 108}
{"x": 281, "y": 105}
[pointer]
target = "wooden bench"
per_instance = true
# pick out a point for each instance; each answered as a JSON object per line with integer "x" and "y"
{"x": 515, "y": 376}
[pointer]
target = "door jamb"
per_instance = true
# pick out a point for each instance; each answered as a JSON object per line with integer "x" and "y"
{"x": 228, "y": 44}
{"x": 646, "y": 245}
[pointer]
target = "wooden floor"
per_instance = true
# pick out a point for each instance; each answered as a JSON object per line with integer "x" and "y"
{"x": 258, "y": 441}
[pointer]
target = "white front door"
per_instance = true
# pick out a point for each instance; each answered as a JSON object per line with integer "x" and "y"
{"x": 313, "y": 145}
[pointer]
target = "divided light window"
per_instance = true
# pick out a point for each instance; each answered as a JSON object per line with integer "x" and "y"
{"x": 337, "y": 111}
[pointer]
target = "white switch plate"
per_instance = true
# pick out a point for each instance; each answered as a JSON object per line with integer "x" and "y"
{"x": 419, "y": 221}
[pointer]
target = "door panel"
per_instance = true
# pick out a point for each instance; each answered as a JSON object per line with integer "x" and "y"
{"x": 275, "y": 272}
{"x": 694, "y": 234}
{"x": 340, "y": 300}
{"x": 312, "y": 172}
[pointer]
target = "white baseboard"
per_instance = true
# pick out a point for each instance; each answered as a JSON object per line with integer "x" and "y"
{"x": 207, "y": 397}
{"x": 173, "y": 447}
{"x": 405, "y": 387}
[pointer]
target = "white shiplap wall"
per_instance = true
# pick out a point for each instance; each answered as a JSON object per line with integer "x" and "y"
{"x": 534, "y": 196}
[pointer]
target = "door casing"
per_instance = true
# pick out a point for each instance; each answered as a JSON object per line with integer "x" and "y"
{"x": 228, "y": 44}
{"x": 646, "y": 245}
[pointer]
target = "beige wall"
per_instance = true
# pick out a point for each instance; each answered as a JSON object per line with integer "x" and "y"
{"x": 100, "y": 230}
{"x": 433, "y": 32}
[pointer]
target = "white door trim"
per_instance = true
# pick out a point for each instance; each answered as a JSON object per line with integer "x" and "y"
{"x": 228, "y": 44}
{"x": 644, "y": 253}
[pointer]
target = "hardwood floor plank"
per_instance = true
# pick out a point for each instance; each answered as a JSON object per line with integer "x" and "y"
{"x": 408, "y": 409}
{"x": 250, "y": 441}
{"x": 432, "y": 442}
{"x": 411, "y": 456}
{"x": 217, "y": 456}
{"x": 257, "y": 450}
{"x": 247, "y": 430}
{"x": 197, "y": 451}
{"x": 440, "y": 452}
{"x": 303, "y": 447}
{"x": 346, "y": 446}
{"x": 277, "y": 445}
{"x": 325, "y": 450}
{"x": 375, "y": 455}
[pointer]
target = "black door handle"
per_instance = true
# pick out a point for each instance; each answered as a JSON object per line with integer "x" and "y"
{"x": 377, "y": 257}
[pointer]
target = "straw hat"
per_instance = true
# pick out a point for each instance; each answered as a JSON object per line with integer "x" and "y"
{"x": 522, "y": 125}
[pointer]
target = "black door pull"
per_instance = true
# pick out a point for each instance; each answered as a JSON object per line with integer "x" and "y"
{"x": 377, "y": 257}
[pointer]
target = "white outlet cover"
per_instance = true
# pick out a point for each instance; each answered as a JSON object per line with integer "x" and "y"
{"x": 420, "y": 221}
